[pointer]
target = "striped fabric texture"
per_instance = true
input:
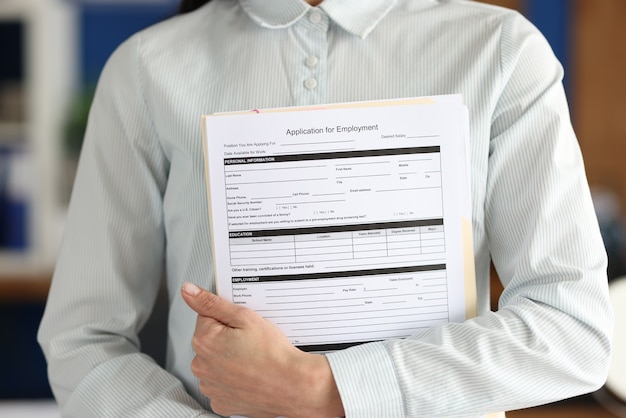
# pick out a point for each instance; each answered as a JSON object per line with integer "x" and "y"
{"x": 138, "y": 212}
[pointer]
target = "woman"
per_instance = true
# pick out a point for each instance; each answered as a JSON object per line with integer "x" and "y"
{"x": 138, "y": 213}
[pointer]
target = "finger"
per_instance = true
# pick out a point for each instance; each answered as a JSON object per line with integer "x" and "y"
{"x": 210, "y": 305}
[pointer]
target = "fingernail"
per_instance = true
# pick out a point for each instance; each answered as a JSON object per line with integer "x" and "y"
{"x": 191, "y": 289}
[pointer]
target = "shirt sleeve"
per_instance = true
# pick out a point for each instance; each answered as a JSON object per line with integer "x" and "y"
{"x": 550, "y": 338}
{"x": 111, "y": 262}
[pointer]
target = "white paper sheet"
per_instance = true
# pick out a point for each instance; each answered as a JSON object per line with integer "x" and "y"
{"x": 343, "y": 224}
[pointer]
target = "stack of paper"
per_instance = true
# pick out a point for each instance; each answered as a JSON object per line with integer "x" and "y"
{"x": 344, "y": 223}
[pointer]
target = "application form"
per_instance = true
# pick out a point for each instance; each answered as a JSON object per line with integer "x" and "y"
{"x": 343, "y": 224}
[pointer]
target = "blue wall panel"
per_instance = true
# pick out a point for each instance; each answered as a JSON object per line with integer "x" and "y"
{"x": 103, "y": 26}
{"x": 553, "y": 18}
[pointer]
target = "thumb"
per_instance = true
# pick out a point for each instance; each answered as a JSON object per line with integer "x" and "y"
{"x": 207, "y": 304}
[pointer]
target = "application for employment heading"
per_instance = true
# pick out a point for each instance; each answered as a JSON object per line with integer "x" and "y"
{"x": 343, "y": 224}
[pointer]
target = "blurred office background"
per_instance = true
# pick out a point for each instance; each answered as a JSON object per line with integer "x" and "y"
{"x": 51, "y": 54}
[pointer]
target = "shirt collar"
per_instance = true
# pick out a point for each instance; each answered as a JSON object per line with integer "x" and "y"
{"x": 358, "y": 17}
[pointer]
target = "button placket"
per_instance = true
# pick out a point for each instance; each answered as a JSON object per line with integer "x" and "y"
{"x": 311, "y": 61}
{"x": 315, "y": 17}
{"x": 312, "y": 32}
{"x": 310, "y": 83}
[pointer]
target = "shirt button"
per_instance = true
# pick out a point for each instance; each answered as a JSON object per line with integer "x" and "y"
{"x": 310, "y": 83}
{"x": 315, "y": 17}
{"x": 311, "y": 61}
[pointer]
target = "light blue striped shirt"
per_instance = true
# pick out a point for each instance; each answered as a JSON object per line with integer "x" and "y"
{"x": 139, "y": 207}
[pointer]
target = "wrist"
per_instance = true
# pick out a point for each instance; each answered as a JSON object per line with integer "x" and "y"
{"x": 320, "y": 392}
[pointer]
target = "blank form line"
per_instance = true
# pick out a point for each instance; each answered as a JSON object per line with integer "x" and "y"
{"x": 364, "y": 325}
{"x": 324, "y": 244}
{"x": 404, "y": 190}
{"x": 315, "y": 151}
{"x": 289, "y": 144}
{"x": 313, "y": 287}
{"x": 369, "y": 163}
{"x": 359, "y": 340}
{"x": 290, "y": 255}
{"x": 328, "y": 194}
{"x": 310, "y": 202}
{"x": 360, "y": 305}
{"x": 342, "y": 299}
{"x": 254, "y": 258}
{"x": 423, "y": 136}
{"x": 276, "y": 181}
{"x": 401, "y": 241}
{"x": 415, "y": 160}
{"x": 392, "y": 263}
{"x": 270, "y": 197}
{"x": 400, "y": 190}
{"x": 226, "y": 170}
{"x": 233, "y": 249}
{"x": 350, "y": 319}
{"x": 362, "y": 332}
{"x": 334, "y": 314}
{"x": 305, "y": 294}
{"x": 363, "y": 176}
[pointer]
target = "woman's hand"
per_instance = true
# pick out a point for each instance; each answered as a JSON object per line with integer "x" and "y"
{"x": 246, "y": 365}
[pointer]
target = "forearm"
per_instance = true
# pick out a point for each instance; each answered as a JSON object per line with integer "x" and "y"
{"x": 131, "y": 385}
{"x": 524, "y": 355}
{"x": 95, "y": 367}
